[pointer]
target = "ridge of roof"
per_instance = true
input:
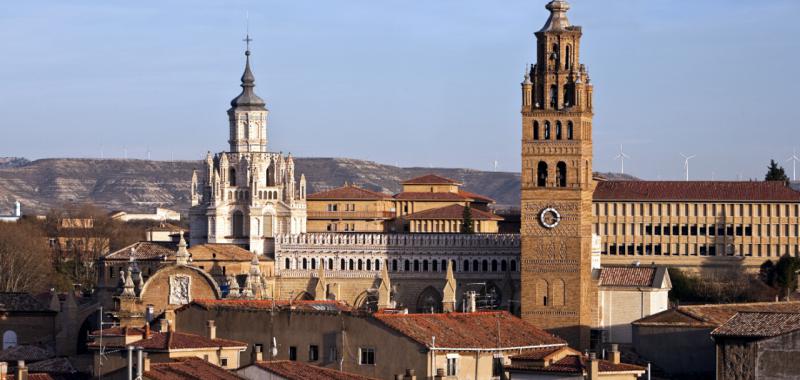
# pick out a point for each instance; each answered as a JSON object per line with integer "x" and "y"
{"x": 430, "y": 179}
{"x": 455, "y": 211}
{"x": 727, "y": 191}
{"x": 348, "y": 192}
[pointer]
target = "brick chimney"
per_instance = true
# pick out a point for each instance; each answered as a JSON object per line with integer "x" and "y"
{"x": 439, "y": 374}
{"x": 3, "y": 371}
{"x": 22, "y": 371}
{"x": 163, "y": 325}
{"x": 615, "y": 354}
{"x": 593, "y": 367}
{"x": 211, "y": 329}
{"x": 257, "y": 354}
{"x": 146, "y": 334}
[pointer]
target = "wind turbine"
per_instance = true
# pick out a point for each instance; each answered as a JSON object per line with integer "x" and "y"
{"x": 794, "y": 160}
{"x": 686, "y": 164}
{"x": 621, "y": 157}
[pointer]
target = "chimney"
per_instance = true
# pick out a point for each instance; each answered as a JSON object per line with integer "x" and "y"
{"x": 410, "y": 375}
{"x": 22, "y": 371}
{"x": 146, "y": 334}
{"x": 3, "y": 371}
{"x": 257, "y": 354}
{"x": 471, "y": 302}
{"x": 146, "y": 363}
{"x": 439, "y": 374}
{"x": 212, "y": 329}
{"x": 398, "y": 376}
{"x": 163, "y": 325}
{"x": 615, "y": 354}
{"x": 594, "y": 367}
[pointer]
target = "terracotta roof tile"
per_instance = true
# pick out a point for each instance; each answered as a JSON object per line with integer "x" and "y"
{"x": 294, "y": 370}
{"x": 28, "y": 353}
{"x": 174, "y": 340}
{"x": 712, "y": 316}
{"x": 21, "y": 302}
{"x": 452, "y": 212}
{"x": 627, "y": 276}
{"x": 431, "y": 179}
{"x": 118, "y": 331}
{"x": 428, "y": 196}
{"x": 349, "y": 192}
{"x": 476, "y": 197}
{"x": 754, "y": 191}
{"x": 209, "y": 304}
{"x": 225, "y": 252}
{"x": 469, "y": 330}
{"x": 759, "y": 324}
{"x": 188, "y": 368}
{"x": 54, "y": 365}
{"x": 576, "y": 364}
{"x": 152, "y": 250}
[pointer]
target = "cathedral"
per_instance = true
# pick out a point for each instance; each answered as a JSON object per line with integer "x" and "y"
{"x": 248, "y": 195}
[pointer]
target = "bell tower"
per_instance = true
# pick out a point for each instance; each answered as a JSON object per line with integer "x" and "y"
{"x": 558, "y": 293}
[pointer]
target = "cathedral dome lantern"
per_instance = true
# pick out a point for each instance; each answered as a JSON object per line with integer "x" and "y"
{"x": 248, "y": 98}
{"x": 558, "y": 16}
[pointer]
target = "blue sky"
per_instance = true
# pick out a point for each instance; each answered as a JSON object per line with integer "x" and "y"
{"x": 413, "y": 83}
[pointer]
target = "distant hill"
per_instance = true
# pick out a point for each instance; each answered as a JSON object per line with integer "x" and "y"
{"x": 140, "y": 185}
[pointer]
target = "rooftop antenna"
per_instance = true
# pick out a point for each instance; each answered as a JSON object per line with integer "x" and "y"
{"x": 794, "y": 160}
{"x": 621, "y": 157}
{"x": 686, "y": 164}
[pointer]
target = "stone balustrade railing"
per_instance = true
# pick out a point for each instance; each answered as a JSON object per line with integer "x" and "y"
{"x": 484, "y": 241}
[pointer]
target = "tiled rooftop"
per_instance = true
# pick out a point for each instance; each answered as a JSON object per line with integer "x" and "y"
{"x": 173, "y": 340}
{"x": 715, "y": 191}
{"x": 431, "y": 179}
{"x": 349, "y": 192}
{"x": 208, "y": 304}
{"x": 488, "y": 330}
{"x": 712, "y": 316}
{"x": 28, "y": 353}
{"x": 759, "y": 324}
{"x": 452, "y": 212}
{"x": 151, "y": 250}
{"x": 631, "y": 276}
{"x": 575, "y": 364}
{"x": 476, "y": 197}
{"x": 188, "y": 368}
{"x": 428, "y": 196}
{"x": 22, "y": 302}
{"x": 294, "y": 370}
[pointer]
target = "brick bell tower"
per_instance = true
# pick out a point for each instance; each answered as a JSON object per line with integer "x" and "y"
{"x": 558, "y": 293}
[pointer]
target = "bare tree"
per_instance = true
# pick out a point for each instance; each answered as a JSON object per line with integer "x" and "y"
{"x": 24, "y": 258}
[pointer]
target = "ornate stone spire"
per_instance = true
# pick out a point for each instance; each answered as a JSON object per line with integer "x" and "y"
{"x": 128, "y": 290}
{"x": 321, "y": 289}
{"x": 182, "y": 255}
{"x": 558, "y": 16}
{"x": 233, "y": 287}
{"x": 449, "y": 291}
{"x": 385, "y": 289}
{"x": 248, "y": 97}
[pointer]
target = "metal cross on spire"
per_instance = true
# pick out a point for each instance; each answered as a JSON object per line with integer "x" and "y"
{"x": 247, "y": 38}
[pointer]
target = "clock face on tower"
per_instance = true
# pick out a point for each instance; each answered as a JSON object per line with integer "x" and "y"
{"x": 550, "y": 217}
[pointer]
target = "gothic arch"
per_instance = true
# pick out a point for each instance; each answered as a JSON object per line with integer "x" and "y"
{"x": 542, "y": 292}
{"x": 541, "y": 174}
{"x": 559, "y": 130}
{"x": 561, "y": 174}
{"x": 232, "y": 177}
{"x": 547, "y": 130}
{"x": 535, "y": 130}
{"x": 570, "y": 130}
{"x": 429, "y": 301}
{"x": 304, "y": 296}
{"x": 237, "y": 226}
{"x": 366, "y": 301}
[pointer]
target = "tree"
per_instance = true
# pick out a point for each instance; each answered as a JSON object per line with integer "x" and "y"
{"x": 25, "y": 264}
{"x": 786, "y": 273}
{"x": 766, "y": 272}
{"x": 775, "y": 172}
{"x": 467, "y": 226}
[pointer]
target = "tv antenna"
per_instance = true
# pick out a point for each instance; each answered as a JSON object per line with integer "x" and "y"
{"x": 621, "y": 157}
{"x": 686, "y": 164}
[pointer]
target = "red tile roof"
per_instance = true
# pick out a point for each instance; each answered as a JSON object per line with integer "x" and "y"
{"x": 22, "y": 302}
{"x": 487, "y": 330}
{"x": 224, "y": 252}
{"x": 188, "y": 368}
{"x": 173, "y": 340}
{"x": 347, "y": 193}
{"x": 209, "y": 304}
{"x": 452, "y": 212}
{"x": 632, "y": 276}
{"x": 715, "y": 191}
{"x": 431, "y": 179}
{"x": 33, "y": 376}
{"x": 759, "y": 325}
{"x": 294, "y": 370}
{"x": 576, "y": 364}
{"x": 428, "y": 196}
{"x": 711, "y": 316}
{"x": 476, "y": 197}
{"x": 152, "y": 250}
{"x": 118, "y": 331}
{"x": 26, "y": 352}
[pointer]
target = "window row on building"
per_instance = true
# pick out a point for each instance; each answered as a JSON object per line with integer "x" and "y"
{"x": 695, "y": 209}
{"x": 708, "y": 230}
{"x": 703, "y": 249}
{"x": 398, "y": 265}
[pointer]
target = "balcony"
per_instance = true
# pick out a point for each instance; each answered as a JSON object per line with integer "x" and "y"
{"x": 349, "y": 215}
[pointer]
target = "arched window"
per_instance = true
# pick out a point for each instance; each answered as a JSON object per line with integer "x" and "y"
{"x": 475, "y": 266}
{"x": 503, "y": 265}
{"x": 568, "y": 58}
{"x": 313, "y": 263}
{"x": 553, "y": 96}
{"x": 541, "y": 174}
{"x": 288, "y": 263}
{"x": 547, "y": 130}
{"x": 343, "y": 265}
{"x": 542, "y": 291}
{"x": 558, "y": 293}
{"x": 369, "y": 265}
{"x": 558, "y": 130}
{"x": 394, "y": 265}
{"x": 305, "y": 263}
{"x": 407, "y": 266}
{"x": 9, "y": 339}
{"x": 485, "y": 266}
{"x": 377, "y": 265}
{"x": 570, "y": 132}
{"x": 444, "y": 265}
{"x": 567, "y": 95}
{"x": 424, "y": 265}
{"x": 237, "y": 227}
{"x": 513, "y": 265}
{"x": 494, "y": 265}
{"x": 561, "y": 174}
{"x": 435, "y": 267}
{"x": 416, "y": 265}
{"x": 535, "y": 130}
{"x": 360, "y": 265}
{"x": 352, "y": 264}
{"x": 232, "y": 177}
{"x": 465, "y": 267}
{"x": 330, "y": 264}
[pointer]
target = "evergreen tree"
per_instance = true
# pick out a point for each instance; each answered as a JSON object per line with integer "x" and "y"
{"x": 775, "y": 172}
{"x": 467, "y": 226}
{"x": 785, "y": 273}
{"x": 767, "y": 273}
